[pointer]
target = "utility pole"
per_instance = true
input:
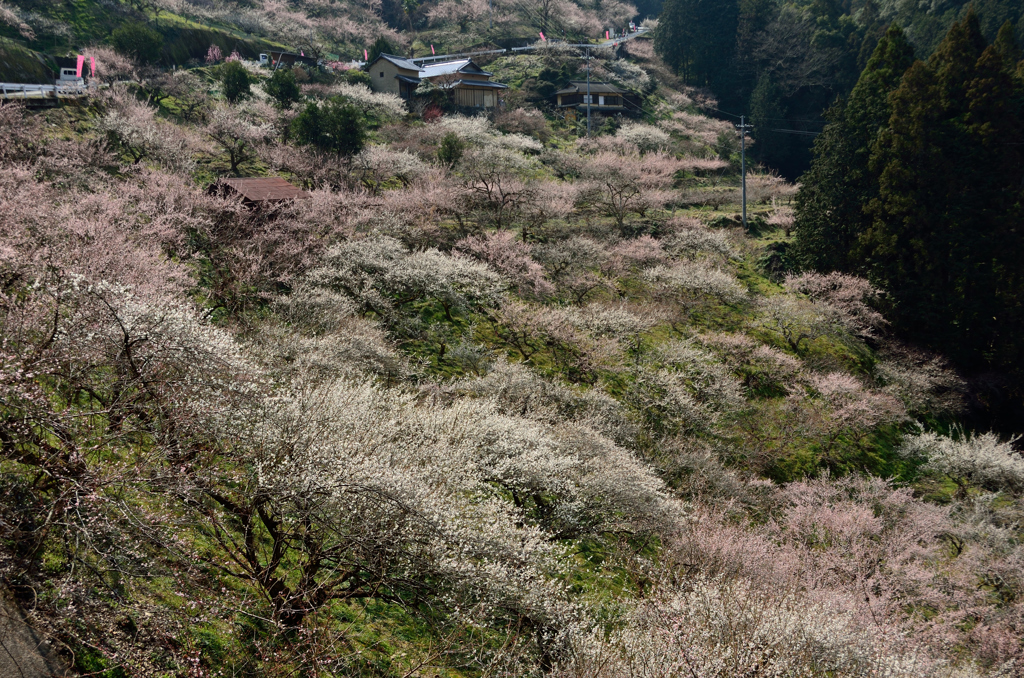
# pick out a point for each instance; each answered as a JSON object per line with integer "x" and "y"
{"x": 588, "y": 91}
{"x": 743, "y": 127}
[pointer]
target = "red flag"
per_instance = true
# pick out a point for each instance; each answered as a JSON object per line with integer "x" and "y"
{"x": 432, "y": 50}
{"x": 542, "y": 36}
{"x": 81, "y": 62}
{"x": 92, "y": 66}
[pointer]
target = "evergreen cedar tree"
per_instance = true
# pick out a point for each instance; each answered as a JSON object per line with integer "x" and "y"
{"x": 333, "y": 126}
{"x": 282, "y": 87}
{"x": 839, "y": 183}
{"x": 917, "y": 183}
{"x": 235, "y": 80}
{"x": 697, "y": 37}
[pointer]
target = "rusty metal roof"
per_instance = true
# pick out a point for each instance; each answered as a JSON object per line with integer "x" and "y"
{"x": 265, "y": 189}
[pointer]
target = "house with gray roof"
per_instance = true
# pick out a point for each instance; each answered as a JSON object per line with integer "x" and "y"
{"x": 470, "y": 85}
{"x": 604, "y": 97}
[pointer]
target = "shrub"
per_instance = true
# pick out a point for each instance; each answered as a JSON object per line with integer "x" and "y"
{"x": 354, "y": 76}
{"x": 282, "y": 88}
{"x": 235, "y": 80}
{"x": 137, "y": 41}
{"x": 332, "y": 126}
{"x": 451, "y": 149}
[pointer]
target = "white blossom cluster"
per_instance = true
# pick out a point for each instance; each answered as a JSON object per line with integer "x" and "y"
{"x": 380, "y": 105}
{"x": 697, "y": 278}
{"x": 480, "y": 133}
{"x": 978, "y": 459}
{"x": 380, "y": 275}
{"x": 461, "y": 491}
{"x": 716, "y": 628}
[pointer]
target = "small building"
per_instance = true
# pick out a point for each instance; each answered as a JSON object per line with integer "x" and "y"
{"x": 390, "y": 73}
{"x": 604, "y": 97}
{"x": 258, "y": 191}
{"x": 470, "y": 85}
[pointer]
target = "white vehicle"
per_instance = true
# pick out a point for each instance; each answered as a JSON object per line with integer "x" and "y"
{"x": 69, "y": 76}
{"x": 264, "y": 59}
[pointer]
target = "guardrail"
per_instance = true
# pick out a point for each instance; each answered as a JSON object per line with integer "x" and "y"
{"x": 9, "y": 90}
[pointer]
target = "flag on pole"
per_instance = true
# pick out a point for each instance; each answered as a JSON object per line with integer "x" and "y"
{"x": 607, "y": 35}
{"x": 92, "y": 66}
{"x": 542, "y": 36}
{"x": 366, "y": 57}
{"x": 81, "y": 62}
{"x": 432, "y": 50}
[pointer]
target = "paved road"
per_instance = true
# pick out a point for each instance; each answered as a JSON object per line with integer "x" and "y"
{"x": 628, "y": 36}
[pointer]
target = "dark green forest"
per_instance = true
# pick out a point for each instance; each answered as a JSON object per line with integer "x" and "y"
{"x": 917, "y": 183}
{"x": 783, "y": 64}
{"x": 903, "y": 128}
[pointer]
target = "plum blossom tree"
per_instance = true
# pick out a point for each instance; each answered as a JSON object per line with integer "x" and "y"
{"x": 848, "y": 296}
{"x": 381, "y": 276}
{"x": 132, "y": 127}
{"x": 238, "y": 133}
{"x": 627, "y": 184}
{"x": 214, "y": 55}
{"x": 498, "y": 177}
{"x": 502, "y": 252}
{"x": 546, "y": 201}
{"x": 797, "y": 321}
{"x": 644, "y": 138}
{"x": 968, "y": 460}
{"x": 639, "y": 253}
{"x": 682, "y": 388}
{"x": 689, "y": 282}
{"x": 376, "y": 166}
{"x": 574, "y": 266}
{"x": 842, "y": 412}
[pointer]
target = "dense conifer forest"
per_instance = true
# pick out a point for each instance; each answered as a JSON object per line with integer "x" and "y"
{"x": 476, "y": 392}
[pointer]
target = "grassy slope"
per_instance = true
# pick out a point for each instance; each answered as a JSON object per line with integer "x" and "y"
{"x": 377, "y": 633}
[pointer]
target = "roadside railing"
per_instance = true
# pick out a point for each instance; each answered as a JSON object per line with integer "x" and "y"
{"x": 15, "y": 90}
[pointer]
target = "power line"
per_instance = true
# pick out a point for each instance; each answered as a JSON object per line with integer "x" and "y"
{"x": 799, "y": 132}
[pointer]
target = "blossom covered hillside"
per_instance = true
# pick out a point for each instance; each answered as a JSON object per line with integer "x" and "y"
{"x": 495, "y": 398}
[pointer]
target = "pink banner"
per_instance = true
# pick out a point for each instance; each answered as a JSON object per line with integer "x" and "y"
{"x": 607, "y": 35}
{"x": 542, "y": 36}
{"x": 81, "y": 62}
{"x": 432, "y": 50}
{"x": 92, "y": 66}
{"x": 366, "y": 57}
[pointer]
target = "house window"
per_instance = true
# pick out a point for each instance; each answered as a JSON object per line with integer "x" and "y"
{"x": 588, "y": 98}
{"x": 382, "y": 74}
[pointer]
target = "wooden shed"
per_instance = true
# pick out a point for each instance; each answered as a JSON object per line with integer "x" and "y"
{"x": 258, "y": 191}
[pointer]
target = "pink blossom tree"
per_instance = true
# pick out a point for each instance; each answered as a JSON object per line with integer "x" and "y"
{"x": 625, "y": 184}
{"x": 214, "y": 55}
